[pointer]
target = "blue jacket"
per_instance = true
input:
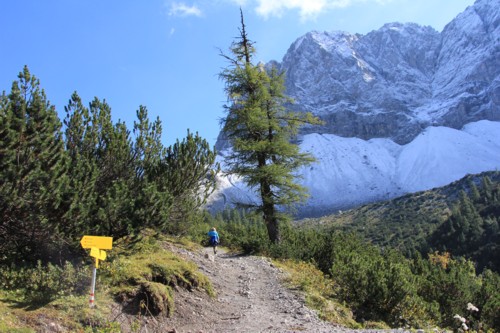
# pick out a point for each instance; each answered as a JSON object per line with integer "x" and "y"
{"x": 214, "y": 237}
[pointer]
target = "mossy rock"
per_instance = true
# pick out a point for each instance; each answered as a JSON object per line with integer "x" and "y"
{"x": 150, "y": 298}
{"x": 185, "y": 278}
{"x": 144, "y": 281}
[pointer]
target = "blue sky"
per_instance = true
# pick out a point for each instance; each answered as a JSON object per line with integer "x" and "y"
{"x": 165, "y": 54}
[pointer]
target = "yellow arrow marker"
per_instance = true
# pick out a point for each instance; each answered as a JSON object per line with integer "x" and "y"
{"x": 96, "y": 244}
{"x": 98, "y": 255}
{"x": 100, "y": 242}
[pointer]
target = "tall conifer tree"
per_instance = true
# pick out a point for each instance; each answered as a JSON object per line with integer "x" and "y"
{"x": 260, "y": 130}
{"x": 32, "y": 171}
{"x": 83, "y": 169}
{"x": 189, "y": 169}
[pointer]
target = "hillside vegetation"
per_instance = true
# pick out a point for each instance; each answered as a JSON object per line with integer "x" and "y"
{"x": 378, "y": 284}
{"x": 100, "y": 178}
{"x": 461, "y": 218}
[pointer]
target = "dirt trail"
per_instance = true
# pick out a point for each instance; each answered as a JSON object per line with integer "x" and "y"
{"x": 250, "y": 298}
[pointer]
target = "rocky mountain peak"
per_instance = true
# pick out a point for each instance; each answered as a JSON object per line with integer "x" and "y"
{"x": 405, "y": 108}
{"x": 395, "y": 81}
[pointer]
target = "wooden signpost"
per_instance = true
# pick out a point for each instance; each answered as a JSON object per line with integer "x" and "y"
{"x": 97, "y": 245}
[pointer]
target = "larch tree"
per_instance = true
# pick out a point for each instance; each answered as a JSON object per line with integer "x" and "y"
{"x": 260, "y": 129}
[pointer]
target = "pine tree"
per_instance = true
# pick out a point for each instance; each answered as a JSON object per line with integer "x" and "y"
{"x": 189, "y": 169}
{"x": 260, "y": 130}
{"x": 487, "y": 189}
{"x": 83, "y": 170}
{"x": 153, "y": 198}
{"x": 474, "y": 192}
{"x": 102, "y": 170}
{"x": 32, "y": 171}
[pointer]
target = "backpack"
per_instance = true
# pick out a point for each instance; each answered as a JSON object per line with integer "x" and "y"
{"x": 213, "y": 241}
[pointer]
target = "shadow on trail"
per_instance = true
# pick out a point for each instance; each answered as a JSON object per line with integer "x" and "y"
{"x": 233, "y": 255}
{"x": 226, "y": 254}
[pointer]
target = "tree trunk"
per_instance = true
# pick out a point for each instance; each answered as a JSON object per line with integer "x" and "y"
{"x": 269, "y": 210}
{"x": 268, "y": 205}
{"x": 273, "y": 229}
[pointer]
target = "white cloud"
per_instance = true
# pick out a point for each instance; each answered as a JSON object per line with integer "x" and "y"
{"x": 181, "y": 9}
{"x": 307, "y": 8}
{"x": 240, "y": 3}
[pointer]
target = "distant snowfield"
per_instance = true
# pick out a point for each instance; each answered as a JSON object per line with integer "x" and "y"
{"x": 350, "y": 171}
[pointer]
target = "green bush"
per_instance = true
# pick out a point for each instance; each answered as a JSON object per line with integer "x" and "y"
{"x": 377, "y": 284}
{"x": 143, "y": 276}
{"x": 489, "y": 299}
{"x": 41, "y": 284}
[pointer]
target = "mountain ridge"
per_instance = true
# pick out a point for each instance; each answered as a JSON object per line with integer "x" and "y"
{"x": 396, "y": 81}
{"x": 396, "y": 102}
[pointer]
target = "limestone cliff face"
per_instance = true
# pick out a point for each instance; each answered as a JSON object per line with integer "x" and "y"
{"x": 468, "y": 66}
{"x": 406, "y": 108}
{"x": 396, "y": 81}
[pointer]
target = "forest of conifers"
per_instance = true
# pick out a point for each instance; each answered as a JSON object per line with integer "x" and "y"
{"x": 90, "y": 176}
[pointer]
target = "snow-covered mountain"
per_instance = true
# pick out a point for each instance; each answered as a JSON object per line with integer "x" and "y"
{"x": 406, "y": 108}
{"x": 351, "y": 171}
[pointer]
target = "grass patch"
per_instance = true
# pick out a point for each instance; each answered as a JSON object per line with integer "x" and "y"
{"x": 319, "y": 291}
{"x": 9, "y": 321}
{"x": 139, "y": 272}
{"x": 66, "y": 313}
{"x": 142, "y": 275}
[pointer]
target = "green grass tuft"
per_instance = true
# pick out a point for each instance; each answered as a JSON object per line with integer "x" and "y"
{"x": 144, "y": 274}
{"x": 319, "y": 292}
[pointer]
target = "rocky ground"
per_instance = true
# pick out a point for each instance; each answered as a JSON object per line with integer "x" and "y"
{"x": 250, "y": 298}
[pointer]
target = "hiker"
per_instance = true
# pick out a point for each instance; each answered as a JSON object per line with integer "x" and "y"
{"x": 214, "y": 239}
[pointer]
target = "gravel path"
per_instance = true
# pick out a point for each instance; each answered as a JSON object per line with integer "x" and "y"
{"x": 250, "y": 298}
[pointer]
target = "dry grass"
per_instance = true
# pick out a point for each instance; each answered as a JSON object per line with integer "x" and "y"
{"x": 139, "y": 272}
{"x": 319, "y": 292}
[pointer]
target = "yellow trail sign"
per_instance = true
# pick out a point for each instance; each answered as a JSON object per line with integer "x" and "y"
{"x": 100, "y": 242}
{"x": 96, "y": 244}
{"x": 98, "y": 254}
